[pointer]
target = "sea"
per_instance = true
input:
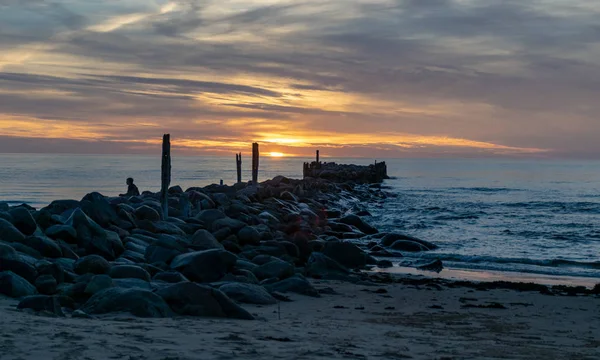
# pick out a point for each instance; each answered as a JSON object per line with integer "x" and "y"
{"x": 491, "y": 218}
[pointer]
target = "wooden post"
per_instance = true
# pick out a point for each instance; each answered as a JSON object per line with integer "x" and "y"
{"x": 165, "y": 175}
{"x": 317, "y": 156}
{"x": 238, "y": 162}
{"x": 255, "y": 164}
{"x": 221, "y": 182}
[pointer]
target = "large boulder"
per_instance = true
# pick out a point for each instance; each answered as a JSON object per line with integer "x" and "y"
{"x": 13, "y": 285}
{"x": 44, "y": 245}
{"x": 6, "y": 216}
{"x": 97, "y": 207}
{"x": 359, "y": 223}
{"x": 248, "y": 293}
{"x": 55, "y": 270}
{"x": 46, "y": 284}
{"x": 295, "y": 284}
{"x": 227, "y": 222}
{"x": 242, "y": 276}
{"x": 138, "y": 302}
{"x": 161, "y": 227}
{"x": 245, "y": 265}
{"x": 268, "y": 218}
{"x": 187, "y": 298}
{"x": 128, "y": 272}
{"x": 27, "y": 251}
{"x": 91, "y": 264}
{"x": 339, "y": 227}
{"x": 407, "y": 245}
{"x": 435, "y": 266}
{"x": 19, "y": 267}
{"x": 9, "y": 233}
{"x": 98, "y": 283}
{"x": 160, "y": 254}
{"x": 134, "y": 256}
{"x": 48, "y": 304}
{"x": 248, "y": 236}
{"x": 346, "y": 253}
{"x": 391, "y": 238}
{"x": 178, "y": 243}
{"x": 145, "y": 212}
{"x": 221, "y": 199}
{"x": 136, "y": 246}
{"x": 208, "y": 217}
{"x": 204, "y": 266}
{"x": 204, "y": 240}
{"x": 132, "y": 283}
{"x": 93, "y": 238}
{"x": 277, "y": 269}
{"x": 58, "y": 207}
{"x": 67, "y": 250}
{"x": 222, "y": 234}
{"x": 62, "y": 232}
{"x": 44, "y": 219}
{"x": 262, "y": 259}
{"x": 173, "y": 277}
{"x": 321, "y": 266}
{"x": 7, "y": 252}
{"x": 23, "y": 220}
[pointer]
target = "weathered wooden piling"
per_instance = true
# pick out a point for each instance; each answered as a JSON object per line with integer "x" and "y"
{"x": 165, "y": 175}
{"x": 317, "y": 156}
{"x": 238, "y": 162}
{"x": 255, "y": 163}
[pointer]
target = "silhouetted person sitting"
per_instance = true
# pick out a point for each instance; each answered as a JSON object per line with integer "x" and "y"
{"x": 132, "y": 190}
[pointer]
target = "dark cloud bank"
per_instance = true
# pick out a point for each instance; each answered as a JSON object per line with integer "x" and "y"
{"x": 513, "y": 73}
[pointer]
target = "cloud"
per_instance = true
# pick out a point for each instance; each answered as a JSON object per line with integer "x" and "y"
{"x": 515, "y": 75}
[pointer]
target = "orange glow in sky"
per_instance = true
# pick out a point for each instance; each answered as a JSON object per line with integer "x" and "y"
{"x": 349, "y": 79}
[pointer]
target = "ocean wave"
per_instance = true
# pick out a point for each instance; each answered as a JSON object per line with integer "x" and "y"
{"x": 484, "y": 189}
{"x": 451, "y": 217}
{"x": 499, "y": 260}
{"x": 564, "y": 236}
{"x": 570, "y": 207}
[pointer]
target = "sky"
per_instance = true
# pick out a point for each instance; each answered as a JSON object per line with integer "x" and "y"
{"x": 369, "y": 78}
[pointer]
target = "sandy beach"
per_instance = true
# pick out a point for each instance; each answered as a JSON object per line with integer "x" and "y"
{"x": 348, "y": 322}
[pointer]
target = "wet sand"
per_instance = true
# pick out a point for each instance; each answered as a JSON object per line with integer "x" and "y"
{"x": 354, "y": 322}
{"x": 489, "y": 275}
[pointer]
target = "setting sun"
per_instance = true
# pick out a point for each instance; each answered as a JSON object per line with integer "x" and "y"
{"x": 276, "y": 154}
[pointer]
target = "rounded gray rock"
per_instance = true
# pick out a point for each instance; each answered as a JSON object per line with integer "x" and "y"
{"x": 129, "y": 272}
{"x": 98, "y": 283}
{"x": 23, "y": 220}
{"x": 248, "y": 236}
{"x": 12, "y": 285}
{"x": 274, "y": 269}
{"x": 94, "y": 264}
{"x": 204, "y": 240}
{"x": 9, "y": 233}
{"x": 46, "y": 284}
{"x": 145, "y": 212}
{"x": 204, "y": 266}
{"x": 62, "y": 232}
{"x": 248, "y": 293}
{"x": 138, "y": 302}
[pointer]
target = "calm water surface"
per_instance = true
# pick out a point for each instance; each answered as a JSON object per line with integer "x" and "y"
{"x": 523, "y": 216}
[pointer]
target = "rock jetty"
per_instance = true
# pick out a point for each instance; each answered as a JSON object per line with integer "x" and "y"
{"x": 374, "y": 173}
{"x": 219, "y": 248}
